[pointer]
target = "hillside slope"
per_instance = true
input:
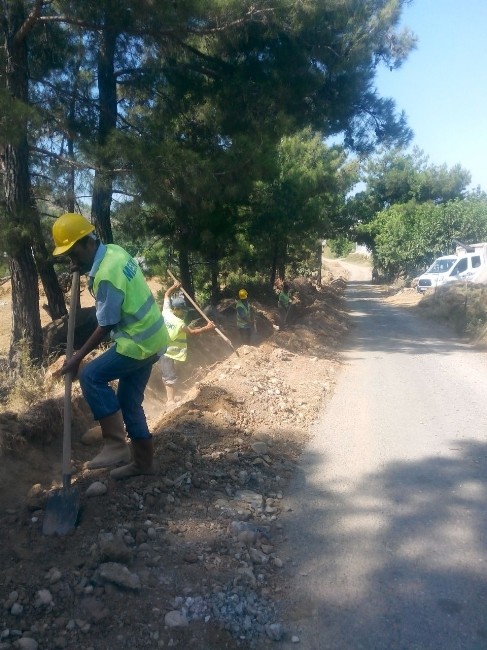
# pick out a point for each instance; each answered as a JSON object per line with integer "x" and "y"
{"x": 188, "y": 557}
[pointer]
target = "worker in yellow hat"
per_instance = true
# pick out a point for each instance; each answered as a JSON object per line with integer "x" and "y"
{"x": 125, "y": 308}
{"x": 245, "y": 316}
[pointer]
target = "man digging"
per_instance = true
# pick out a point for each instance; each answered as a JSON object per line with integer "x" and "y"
{"x": 125, "y": 308}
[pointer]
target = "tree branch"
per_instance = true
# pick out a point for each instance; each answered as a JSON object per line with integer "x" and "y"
{"x": 66, "y": 161}
{"x": 29, "y": 22}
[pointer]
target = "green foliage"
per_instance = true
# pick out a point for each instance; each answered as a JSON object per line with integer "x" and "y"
{"x": 256, "y": 284}
{"x": 396, "y": 176}
{"x": 302, "y": 202}
{"x": 407, "y": 237}
{"x": 208, "y": 117}
{"x": 341, "y": 246}
{"x": 4, "y": 269}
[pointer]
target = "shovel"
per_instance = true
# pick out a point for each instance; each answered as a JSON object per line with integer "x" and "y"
{"x": 62, "y": 505}
{"x": 202, "y": 313}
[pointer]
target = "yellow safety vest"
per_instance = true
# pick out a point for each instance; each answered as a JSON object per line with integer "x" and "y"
{"x": 178, "y": 346}
{"x": 244, "y": 324}
{"x": 283, "y": 299}
{"x": 141, "y": 332}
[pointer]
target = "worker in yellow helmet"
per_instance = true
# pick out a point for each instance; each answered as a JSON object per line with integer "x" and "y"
{"x": 125, "y": 308}
{"x": 245, "y": 316}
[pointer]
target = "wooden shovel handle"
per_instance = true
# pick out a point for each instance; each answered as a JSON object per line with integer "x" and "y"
{"x": 202, "y": 313}
{"x": 68, "y": 379}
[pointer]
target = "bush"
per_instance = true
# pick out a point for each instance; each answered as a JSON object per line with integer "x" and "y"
{"x": 462, "y": 306}
{"x": 340, "y": 247}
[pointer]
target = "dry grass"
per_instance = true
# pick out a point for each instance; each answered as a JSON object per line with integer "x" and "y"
{"x": 358, "y": 258}
{"x": 26, "y": 386}
{"x": 463, "y": 307}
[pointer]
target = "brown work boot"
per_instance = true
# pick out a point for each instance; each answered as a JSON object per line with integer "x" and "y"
{"x": 142, "y": 460}
{"x": 115, "y": 448}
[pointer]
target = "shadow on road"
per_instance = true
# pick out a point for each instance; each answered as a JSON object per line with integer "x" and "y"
{"x": 400, "y": 330}
{"x": 424, "y": 582}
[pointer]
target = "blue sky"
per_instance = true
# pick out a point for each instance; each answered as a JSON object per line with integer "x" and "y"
{"x": 442, "y": 87}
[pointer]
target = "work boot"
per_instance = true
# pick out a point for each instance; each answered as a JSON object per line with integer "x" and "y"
{"x": 142, "y": 459}
{"x": 115, "y": 448}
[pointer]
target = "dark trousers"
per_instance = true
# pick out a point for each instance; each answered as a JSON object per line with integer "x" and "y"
{"x": 245, "y": 333}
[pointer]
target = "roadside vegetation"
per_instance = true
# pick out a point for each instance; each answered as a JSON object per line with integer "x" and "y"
{"x": 197, "y": 134}
{"x": 462, "y": 307}
{"x": 411, "y": 212}
{"x": 207, "y": 138}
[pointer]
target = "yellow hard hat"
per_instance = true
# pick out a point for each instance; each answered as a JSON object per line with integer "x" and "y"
{"x": 68, "y": 229}
{"x": 242, "y": 294}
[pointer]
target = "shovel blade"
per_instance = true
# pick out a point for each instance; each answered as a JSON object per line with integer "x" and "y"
{"x": 61, "y": 511}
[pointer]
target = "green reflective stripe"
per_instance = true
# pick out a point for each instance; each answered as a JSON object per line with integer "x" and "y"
{"x": 240, "y": 321}
{"x": 141, "y": 312}
{"x": 141, "y": 331}
{"x": 284, "y": 299}
{"x": 141, "y": 336}
{"x": 176, "y": 352}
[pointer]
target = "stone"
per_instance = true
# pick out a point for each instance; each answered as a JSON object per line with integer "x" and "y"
{"x": 175, "y": 619}
{"x": 243, "y": 531}
{"x": 43, "y": 598}
{"x": 35, "y": 491}
{"x": 26, "y": 643}
{"x": 96, "y": 489}
{"x": 114, "y": 549}
{"x": 94, "y": 609}
{"x": 54, "y": 576}
{"x": 254, "y": 500}
{"x": 259, "y": 447}
{"x": 257, "y": 556}
{"x": 274, "y": 631}
{"x": 119, "y": 575}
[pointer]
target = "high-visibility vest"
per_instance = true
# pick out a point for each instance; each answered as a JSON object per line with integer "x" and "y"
{"x": 283, "y": 299}
{"x": 141, "y": 332}
{"x": 178, "y": 345}
{"x": 241, "y": 322}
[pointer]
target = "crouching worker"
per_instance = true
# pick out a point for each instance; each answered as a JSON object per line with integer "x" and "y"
{"x": 126, "y": 308}
{"x": 173, "y": 312}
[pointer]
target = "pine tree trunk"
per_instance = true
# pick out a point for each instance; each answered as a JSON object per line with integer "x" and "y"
{"x": 281, "y": 265}
{"x": 107, "y": 92}
{"x": 272, "y": 279}
{"x": 54, "y": 295}
{"x": 184, "y": 267}
{"x": 26, "y": 322}
{"x": 215, "y": 287}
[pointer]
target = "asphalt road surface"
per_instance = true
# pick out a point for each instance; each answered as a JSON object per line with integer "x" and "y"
{"x": 387, "y": 527}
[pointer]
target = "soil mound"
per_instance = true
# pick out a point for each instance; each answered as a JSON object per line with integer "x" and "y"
{"x": 188, "y": 557}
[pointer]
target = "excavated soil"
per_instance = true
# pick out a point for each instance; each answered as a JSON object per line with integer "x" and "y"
{"x": 188, "y": 557}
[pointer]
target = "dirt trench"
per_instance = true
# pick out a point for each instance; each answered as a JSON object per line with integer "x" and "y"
{"x": 201, "y": 537}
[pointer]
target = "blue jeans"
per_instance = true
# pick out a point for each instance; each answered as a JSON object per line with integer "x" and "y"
{"x": 132, "y": 375}
{"x": 168, "y": 371}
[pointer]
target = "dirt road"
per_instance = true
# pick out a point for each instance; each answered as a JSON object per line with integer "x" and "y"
{"x": 386, "y": 524}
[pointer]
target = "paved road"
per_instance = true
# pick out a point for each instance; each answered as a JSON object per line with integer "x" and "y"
{"x": 388, "y": 530}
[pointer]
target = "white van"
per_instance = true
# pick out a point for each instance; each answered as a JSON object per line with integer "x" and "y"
{"x": 451, "y": 268}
